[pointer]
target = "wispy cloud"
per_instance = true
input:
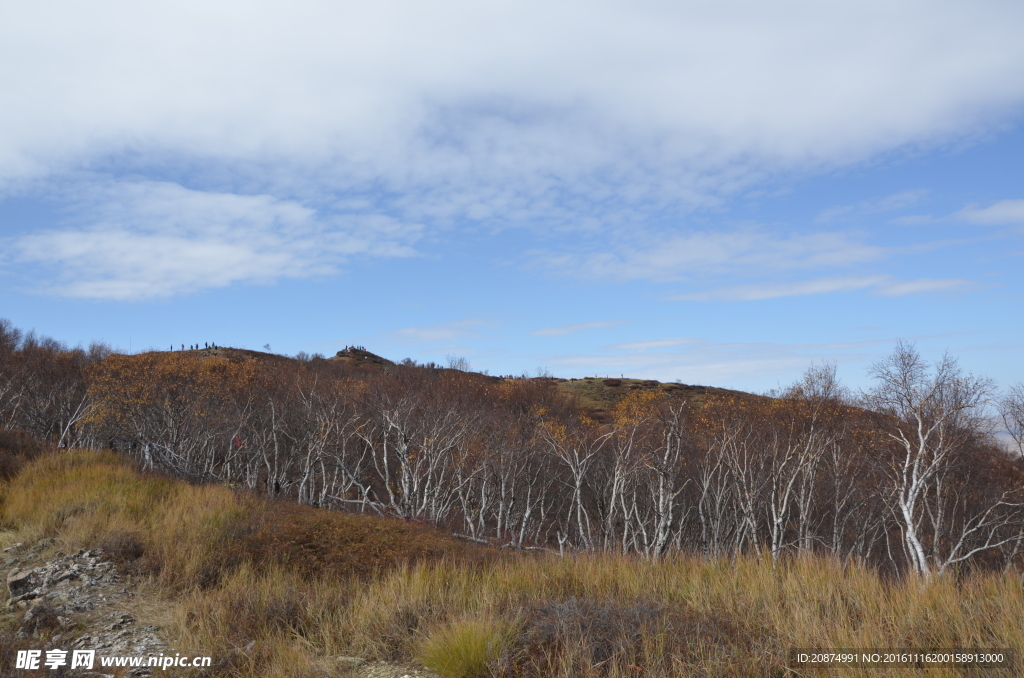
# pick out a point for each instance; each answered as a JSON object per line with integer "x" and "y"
{"x": 747, "y": 365}
{"x": 1002, "y": 212}
{"x": 889, "y": 203}
{"x": 745, "y": 251}
{"x": 913, "y": 220}
{"x": 899, "y": 288}
{"x": 883, "y": 285}
{"x": 654, "y": 344}
{"x": 576, "y": 327}
{"x": 144, "y": 240}
{"x": 443, "y": 333}
{"x": 776, "y": 290}
{"x": 698, "y": 361}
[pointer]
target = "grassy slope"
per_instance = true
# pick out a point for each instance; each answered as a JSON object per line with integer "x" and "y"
{"x": 305, "y": 585}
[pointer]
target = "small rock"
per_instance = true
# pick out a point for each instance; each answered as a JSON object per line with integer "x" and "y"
{"x": 14, "y": 547}
{"x": 352, "y": 662}
{"x": 19, "y": 581}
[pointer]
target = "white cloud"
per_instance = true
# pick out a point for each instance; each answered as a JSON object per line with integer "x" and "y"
{"x": 497, "y": 109}
{"x": 900, "y": 288}
{"x": 1002, "y": 212}
{"x": 746, "y": 251}
{"x": 654, "y": 343}
{"x": 307, "y": 122}
{"x": 889, "y": 203}
{"x": 150, "y": 239}
{"x": 576, "y": 327}
{"x": 883, "y": 285}
{"x": 913, "y": 220}
{"x": 776, "y": 290}
{"x": 439, "y": 334}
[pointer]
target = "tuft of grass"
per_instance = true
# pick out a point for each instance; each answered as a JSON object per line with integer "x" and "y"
{"x": 466, "y": 648}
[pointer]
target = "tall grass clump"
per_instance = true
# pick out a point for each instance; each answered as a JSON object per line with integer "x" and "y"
{"x": 466, "y": 648}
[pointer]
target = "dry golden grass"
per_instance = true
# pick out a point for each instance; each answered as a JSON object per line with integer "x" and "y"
{"x": 271, "y": 589}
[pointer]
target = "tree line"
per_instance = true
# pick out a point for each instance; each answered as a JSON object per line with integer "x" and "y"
{"x": 907, "y": 476}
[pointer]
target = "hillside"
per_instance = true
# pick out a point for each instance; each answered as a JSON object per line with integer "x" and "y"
{"x": 139, "y": 564}
{"x": 595, "y": 395}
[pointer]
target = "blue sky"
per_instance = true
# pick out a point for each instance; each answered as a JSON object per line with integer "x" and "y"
{"x": 711, "y": 192}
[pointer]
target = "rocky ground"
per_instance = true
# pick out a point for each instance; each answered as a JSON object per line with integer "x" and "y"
{"x": 77, "y": 601}
{"x": 80, "y": 601}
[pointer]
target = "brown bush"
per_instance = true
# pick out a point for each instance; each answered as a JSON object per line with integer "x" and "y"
{"x": 16, "y": 449}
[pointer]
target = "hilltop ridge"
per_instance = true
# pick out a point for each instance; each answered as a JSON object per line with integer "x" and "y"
{"x": 595, "y": 395}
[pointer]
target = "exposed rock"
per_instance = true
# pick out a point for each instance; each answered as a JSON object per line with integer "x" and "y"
{"x": 78, "y": 601}
{"x": 20, "y": 582}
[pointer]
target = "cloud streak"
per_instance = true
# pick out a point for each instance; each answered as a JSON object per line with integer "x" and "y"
{"x": 698, "y": 361}
{"x": 142, "y": 240}
{"x": 655, "y": 344}
{"x": 999, "y": 213}
{"x": 883, "y": 285}
{"x": 444, "y": 333}
{"x": 889, "y": 203}
{"x": 562, "y": 330}
{"x": 689, "y": 255}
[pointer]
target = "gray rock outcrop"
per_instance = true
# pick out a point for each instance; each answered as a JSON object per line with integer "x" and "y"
{"x": 78, "y": 601}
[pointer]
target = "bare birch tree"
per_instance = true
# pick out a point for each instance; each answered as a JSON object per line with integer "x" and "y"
{"x": 932, "y": 413}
